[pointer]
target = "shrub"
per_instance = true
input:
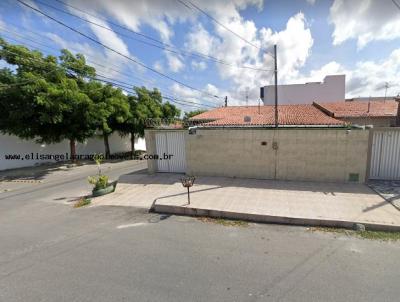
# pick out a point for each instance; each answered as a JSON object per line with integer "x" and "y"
{"x": 99, "y": 181}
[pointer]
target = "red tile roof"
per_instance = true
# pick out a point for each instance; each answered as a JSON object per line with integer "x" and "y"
{"x": 342, "y": 109}
{"x": 288, "y": 115}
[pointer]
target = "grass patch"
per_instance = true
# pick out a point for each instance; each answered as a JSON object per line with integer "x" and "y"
{"x": 81, "y": 202}
{"x": 224, "y": 222}
{"x": 371, "y": 235}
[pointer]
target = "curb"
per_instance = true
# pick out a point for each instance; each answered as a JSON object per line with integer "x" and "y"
{"x": 177, "y": 210}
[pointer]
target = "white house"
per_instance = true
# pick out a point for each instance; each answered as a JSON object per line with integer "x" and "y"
{"x": 331, "y": 89}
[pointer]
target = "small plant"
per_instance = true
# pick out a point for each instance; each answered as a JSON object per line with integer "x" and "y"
{"x": 225, "y": 222}
{"x": 99, "y": 181}
{"x": 83, "y": 201}
{"x": 371, "y": 235}
{"x": 98, "y": 158}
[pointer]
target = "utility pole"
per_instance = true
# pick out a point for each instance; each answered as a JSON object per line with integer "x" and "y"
{"x": 226, "y": 101}
{"x": 276, "y": 87}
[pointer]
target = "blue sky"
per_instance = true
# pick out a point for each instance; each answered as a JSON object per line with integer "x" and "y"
{"x": 359, "y": 38}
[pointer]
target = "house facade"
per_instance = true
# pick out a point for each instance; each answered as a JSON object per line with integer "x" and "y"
{"x": 375, "y": 113}
{"x": 300, "y": 115}
{"x": 331, "y": 89}
{"x": 307, "y": 145}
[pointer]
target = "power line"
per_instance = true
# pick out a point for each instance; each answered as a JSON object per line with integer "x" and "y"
{"x": 108, "y": 81}
{"x": 57, "y": 50}
{"x": 128, "y": 84}
{"x": 222, "y": 25}
{"x": 395, "y": 3}
{"x": 113, "y": 50}
{"x": 117, "y": 71}
{"x": 163, "y": 46}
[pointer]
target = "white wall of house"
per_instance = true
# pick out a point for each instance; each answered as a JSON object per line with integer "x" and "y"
{"x": 10, "y": 145}
{"x": 332, "y": 89}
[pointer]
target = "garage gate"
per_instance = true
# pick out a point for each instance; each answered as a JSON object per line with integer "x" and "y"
{"x": 170, "y": 147}
{"x": 385, "y": 154}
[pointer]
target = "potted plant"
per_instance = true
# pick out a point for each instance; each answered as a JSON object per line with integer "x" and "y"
{"x": 100, "y": 181}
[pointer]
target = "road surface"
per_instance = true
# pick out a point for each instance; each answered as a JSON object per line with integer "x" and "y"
{"x": 50, "y": 251}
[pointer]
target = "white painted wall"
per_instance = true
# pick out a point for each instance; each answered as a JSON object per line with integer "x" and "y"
{"x": 14, "y": 145}
{"x": 332, "y": 89}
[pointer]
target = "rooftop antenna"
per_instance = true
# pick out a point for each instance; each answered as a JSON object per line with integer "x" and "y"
{"x": 386, "y": 88}
{"x": 247, "y": 96}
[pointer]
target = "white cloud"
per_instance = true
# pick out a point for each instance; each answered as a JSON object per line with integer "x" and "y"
{"x": 311, "y": 2}
{"x": 158, "y": 14}
{"x": 158, "y": 66}
{"x": 108, "y": 37}
{"x": 364, "y": 20}
{"x": 367, "y": 78}
{"x": 200, "y": 40}
{"x": 294, "y": 46}
{"x": 162, "y": 14}
{"x": 174, "y": 63}
{"x": 294, "y": 42}
{"x": 198, "y": 97}
{"x": 199, "y": 65}
{"x": 110, "y": 62}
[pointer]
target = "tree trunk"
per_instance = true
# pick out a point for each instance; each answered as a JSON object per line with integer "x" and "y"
{"x": 106, "y": 145}
{"x": 72, "y": 148}
{"x": 132, "y": 145}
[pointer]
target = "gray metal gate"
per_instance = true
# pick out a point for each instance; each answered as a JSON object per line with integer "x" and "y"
{"x": 170, "y": 147}
{"x": 385, "y": 154}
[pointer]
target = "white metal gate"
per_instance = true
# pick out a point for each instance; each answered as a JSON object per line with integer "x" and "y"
{"x": 170, "y": 147}
{"x": 385, "y": 154}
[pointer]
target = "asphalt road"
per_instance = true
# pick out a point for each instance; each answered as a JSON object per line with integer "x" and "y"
{"x": 52, "y": 252}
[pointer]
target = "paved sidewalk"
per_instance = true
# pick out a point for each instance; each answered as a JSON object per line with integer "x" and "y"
{"x": 388, "y": 189}
{"x": 309, "y": 203}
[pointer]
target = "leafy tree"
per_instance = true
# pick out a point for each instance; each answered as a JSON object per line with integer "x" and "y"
{"x": 190, "y": 114}
{"x": 51, "y": 99}
{"x": 146, "y": 107}
{"x": 112, "y": 108}
{"x": 45, "y": 101}
{"x": 170, "y": 112}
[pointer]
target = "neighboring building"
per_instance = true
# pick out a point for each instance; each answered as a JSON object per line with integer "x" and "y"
{"x": 302, "y": 115}
{"x": 378, "y": 113}
{"x": 312, "y": 143}
{"x": 330, "y": 90}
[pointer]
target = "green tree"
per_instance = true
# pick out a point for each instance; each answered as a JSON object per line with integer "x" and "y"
{"x": 112, "y": 109}
{"x": 190, "y": 114}
{"x": 45, "y": 101}
{"x": 146, "y": 108}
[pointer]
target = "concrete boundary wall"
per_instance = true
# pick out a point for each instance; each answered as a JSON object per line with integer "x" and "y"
{"x": 10, "y": 145}
{"x": 337, "y": 155}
